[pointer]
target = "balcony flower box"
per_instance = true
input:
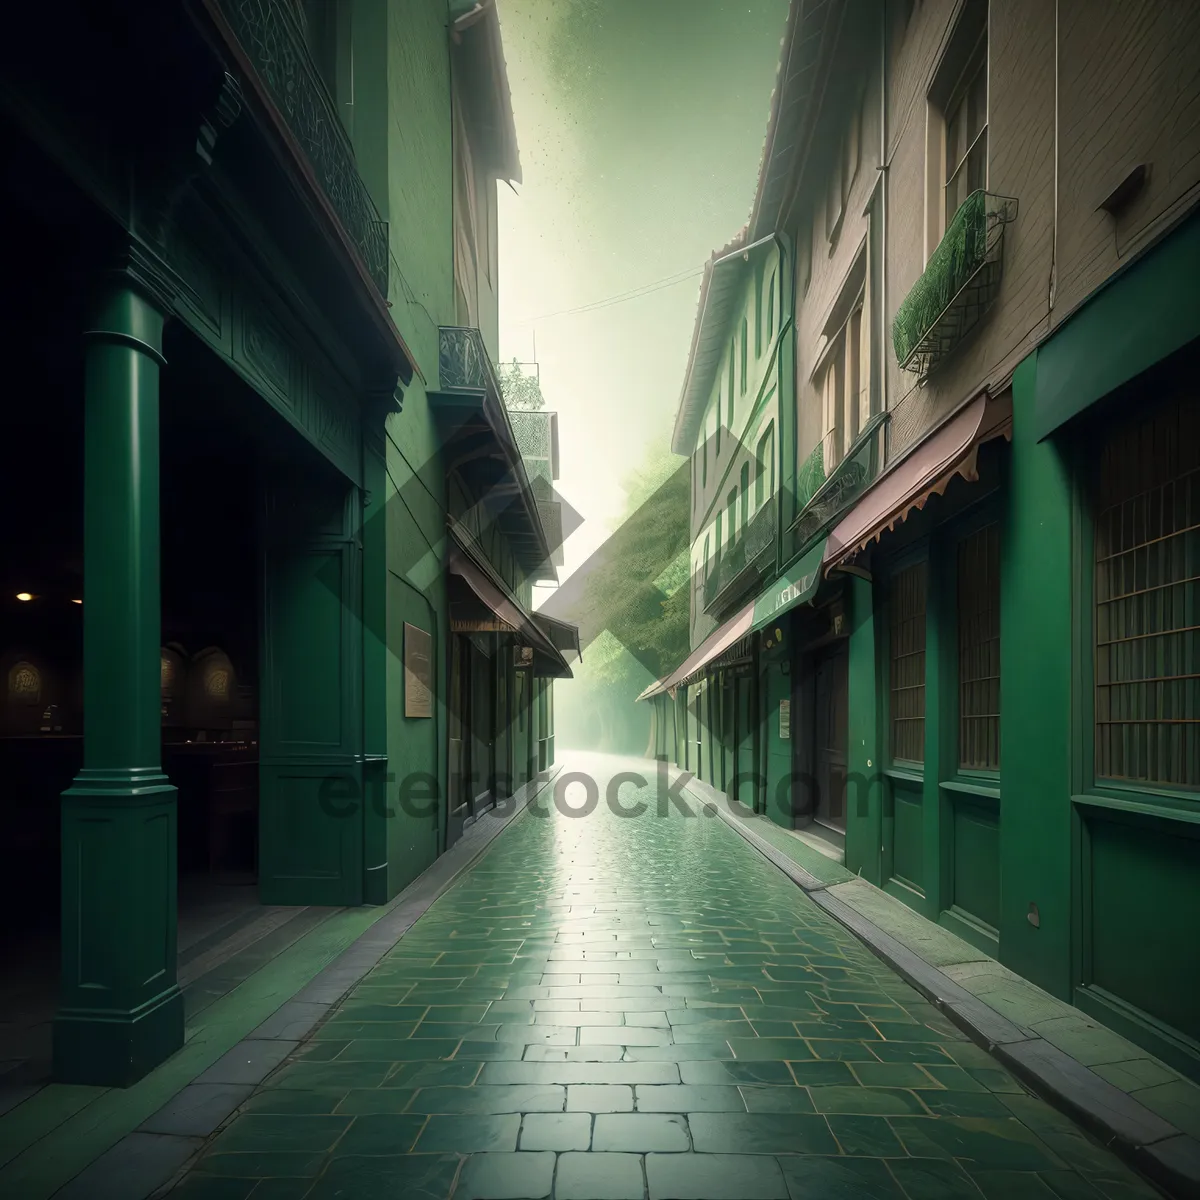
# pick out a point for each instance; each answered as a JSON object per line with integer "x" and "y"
{"x": 957, "y": 286}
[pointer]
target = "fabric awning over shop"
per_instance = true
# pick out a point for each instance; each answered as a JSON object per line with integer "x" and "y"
{"x": 563, "y": 634}
{"x": 950, "y": 451}
{"x": 507, "y": 610}
{"x": 796, "y": 586}
{"x": 718, "y": 641}
{"x": 1146, "y": 311}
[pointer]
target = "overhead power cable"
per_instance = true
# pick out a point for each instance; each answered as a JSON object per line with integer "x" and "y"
{"x": 621, "y": 298}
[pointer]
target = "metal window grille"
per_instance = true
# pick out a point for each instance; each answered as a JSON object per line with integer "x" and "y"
{"x": 1147, "y": 601}
{"x": 979, "y": 650}
{"x": 907, "y": 647}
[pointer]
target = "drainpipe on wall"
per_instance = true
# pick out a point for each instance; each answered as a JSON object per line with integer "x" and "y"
{"x": 777, "y": 441}
{"x": 883, "y": 191}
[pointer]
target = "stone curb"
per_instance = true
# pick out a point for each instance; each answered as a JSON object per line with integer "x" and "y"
{"x": 150, "y": 1160}
{"x": 1161, "y": 1152}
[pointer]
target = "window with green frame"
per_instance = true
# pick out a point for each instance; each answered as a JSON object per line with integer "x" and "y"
{"x": 1146, "y": 600}
{"x": 979, "y": 650}
{"x": 906, "y": 678}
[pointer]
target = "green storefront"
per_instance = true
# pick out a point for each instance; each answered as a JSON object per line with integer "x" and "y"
{"x": 1023, "y": 664}
{"x": 226, "y": 630}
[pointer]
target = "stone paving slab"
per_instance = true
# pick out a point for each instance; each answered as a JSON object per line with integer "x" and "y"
{"x": 146, "y": 1152}
{"x": 785, "y": 1058}
{"x": 1133, "y": 1101}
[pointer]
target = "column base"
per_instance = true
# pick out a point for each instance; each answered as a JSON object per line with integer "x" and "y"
{"x": 120, "y": 1009}
{"x": 108, "y": 1048}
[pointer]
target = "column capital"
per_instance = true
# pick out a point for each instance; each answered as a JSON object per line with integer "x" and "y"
{"x": 138, "y": 266}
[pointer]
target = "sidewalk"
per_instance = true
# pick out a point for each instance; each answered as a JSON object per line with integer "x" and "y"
{"x": 93, "y": 1143}
{"x": 1142, "y": 1109}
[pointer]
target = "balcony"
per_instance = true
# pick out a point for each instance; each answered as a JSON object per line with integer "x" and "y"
{"x": 479, "y": 428}
{"x": 272, "y": 39}
{"x": 739, "y": 567}
{"x": 957, "y": 287}
{"x": 827, "y": 485}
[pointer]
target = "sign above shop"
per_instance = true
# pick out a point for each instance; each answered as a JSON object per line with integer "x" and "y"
{"x": 418, "y": 672}
{"x": 796, "y": 586}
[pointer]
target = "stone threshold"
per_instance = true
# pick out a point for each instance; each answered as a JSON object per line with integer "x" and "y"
{"x": 146, "y": 1159}
{"x": 1020, "y": 1026}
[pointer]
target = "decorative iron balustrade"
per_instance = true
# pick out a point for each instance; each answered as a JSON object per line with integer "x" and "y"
{"x": 842, "y": 482}
{"x": 463, "y": 362}
{"x": 957, "y": 286}
{"x": 740, "y": 566}
{"x": 272, "y": 36}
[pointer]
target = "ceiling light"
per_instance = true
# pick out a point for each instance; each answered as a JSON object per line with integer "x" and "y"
{"x": 24, "y": 596}
{"x": 76, "y": 601}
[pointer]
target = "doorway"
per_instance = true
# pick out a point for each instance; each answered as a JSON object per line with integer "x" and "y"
{"x": 459, "y": 735}
{"x": 831, "y": 725}
{"x": 743, "y": 767}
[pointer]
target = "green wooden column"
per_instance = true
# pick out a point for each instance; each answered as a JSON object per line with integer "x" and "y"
{"x": 380, "y": 796}
{"x": 120, "y": 1009}
{"x": 864, "y": 795}
{"x": 1037, "y": 729}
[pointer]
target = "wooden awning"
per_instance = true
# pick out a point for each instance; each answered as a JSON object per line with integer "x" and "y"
{"x": 951, "y": 450}
{"x": 716, "y": 643}
{"x": 485, "y": 605}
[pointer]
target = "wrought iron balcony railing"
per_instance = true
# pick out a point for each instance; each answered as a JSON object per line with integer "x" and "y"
{"x": 957, "y": 286}
{"x": 463, "y": 362}
{"x": 272, "y": 38}
{"x": 739, "y": 566}
{"x": 827, "y": 484}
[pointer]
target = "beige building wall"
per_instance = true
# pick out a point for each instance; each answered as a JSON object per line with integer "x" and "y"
{"x": 1079, "y": 94}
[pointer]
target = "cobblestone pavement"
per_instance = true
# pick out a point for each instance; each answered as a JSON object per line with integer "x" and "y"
{"x": 610, "y": 1007}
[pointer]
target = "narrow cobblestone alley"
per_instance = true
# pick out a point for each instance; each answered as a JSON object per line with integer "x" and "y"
{"x": 641, "y": 1006}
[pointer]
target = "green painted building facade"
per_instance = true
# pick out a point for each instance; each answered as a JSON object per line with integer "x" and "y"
{"x": 256, "y": 264}
{"x": 981, "y": 693}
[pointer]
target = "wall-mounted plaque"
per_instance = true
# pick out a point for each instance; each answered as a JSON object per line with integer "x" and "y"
{"x": 418, "y": 672}
{"x": 785, "y": 719}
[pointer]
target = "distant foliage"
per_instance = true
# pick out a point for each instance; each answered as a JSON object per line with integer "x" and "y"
{"x": 641, "y": 598}
{"x": 521, "y": 392}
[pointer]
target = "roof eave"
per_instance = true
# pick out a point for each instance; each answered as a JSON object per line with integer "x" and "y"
{"x": 484, "y": 20}
{"x": 719, "y": 280}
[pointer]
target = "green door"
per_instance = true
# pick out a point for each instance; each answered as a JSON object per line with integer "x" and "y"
{"x": 502, "y": 779}
{"x": 744, "y": 736}
{"x": 459, "y": 737}
{"x": 311, "y": 811}
{"x": 483, "y": 682}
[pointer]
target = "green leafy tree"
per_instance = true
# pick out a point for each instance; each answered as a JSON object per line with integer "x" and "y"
{"x": 635, "y": 602}
{"x": 521, "y": 392}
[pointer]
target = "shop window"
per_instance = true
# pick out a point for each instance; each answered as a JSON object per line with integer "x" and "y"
{"x": 907, "y": 654}
{"x": 1147, "y": 601}
{"x": 979, "y": 650}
